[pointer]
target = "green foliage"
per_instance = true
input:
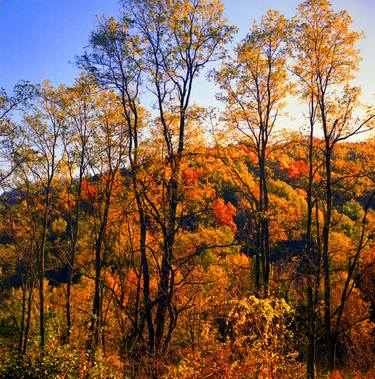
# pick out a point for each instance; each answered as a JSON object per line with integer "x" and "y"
{"x": 352, "y": 209}
{"x": 8, "y": 328}
{"x": 59, "y": 226}
{"x": 59, "y": 362}
{"x": 282, "y": 189}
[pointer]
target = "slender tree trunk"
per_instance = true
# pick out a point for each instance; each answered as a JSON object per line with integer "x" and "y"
{"x": 146, "y": 283}
{"x": 311, "y": 334}
{"x": 28, "y": 317}
{"x": 144, "y": 260}
{"x": 257, "y": 261}
{"x": 96, "y": 319}
{"x": 310, "y": 258}
{"x": 69, "y": 296}
{"x": 23, "y": 312}
{"x": 326, "y": 263}
{"x": 162, "y": 297}
{"x": 41, "y": 267}
{"x": 166, "y": 284}
{"x": 96, "y": 308}
{"x": 264, "y": 227}
{"x": 72, "y": 260}
{"x": 71, "y": 274}
{"x": 267, "y": 251}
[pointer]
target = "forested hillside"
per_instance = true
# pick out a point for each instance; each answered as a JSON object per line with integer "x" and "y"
{"x": 144, "y": 236}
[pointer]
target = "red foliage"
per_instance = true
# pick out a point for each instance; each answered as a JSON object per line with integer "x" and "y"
{"x": 252, "y": 157}
{"x": 88, "y": 190}
{"x": 225, "y": 213}
{"x": 192, "y": 175}
{"x": 297, "y": 170}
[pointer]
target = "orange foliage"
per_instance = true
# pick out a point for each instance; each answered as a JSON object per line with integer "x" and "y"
{"x": 66, "y": 202}
{"x": 192, "y": 175}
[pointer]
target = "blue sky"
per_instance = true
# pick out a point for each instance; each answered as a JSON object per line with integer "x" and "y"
{"x": 39, "y": 38}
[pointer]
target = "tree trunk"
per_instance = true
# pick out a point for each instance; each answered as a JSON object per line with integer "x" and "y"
{"x": 310, "y": 367}
{"x": 146, "y": 283}
{"x": 96, "y": 308}
{"x": 74, "y": 240}
{"x": 264, "y": 227}
{"x": 41, "y": 266}
{"x": 96, "y": 317}
{"x": 326, "y": 264}
{"x": 28, "y": 318}
{"x": 23, "y": 312}
{"x": 310, "y": 261}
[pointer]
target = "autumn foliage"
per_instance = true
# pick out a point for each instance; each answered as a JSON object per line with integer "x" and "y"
{"x": 168, "y": 241}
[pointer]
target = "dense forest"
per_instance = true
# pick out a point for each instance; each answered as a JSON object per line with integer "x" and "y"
{"x": 145, "y": 236}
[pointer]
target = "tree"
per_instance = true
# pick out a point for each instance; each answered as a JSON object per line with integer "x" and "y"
{"x": 43, "y": 129}
{"x": 18, "y": 230}
{"x": 112, "y": 142}
{"x": 255, "y": 84}
{"x": 180, "y": 38}
{"x": 112, "y": 63}
{"x": 326, "y": 62}
{"x": 81, "y": 110}
{"x": 22, "y": 96}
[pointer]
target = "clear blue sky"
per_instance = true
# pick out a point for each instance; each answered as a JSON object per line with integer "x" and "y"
{"x": 38, "y": 38}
